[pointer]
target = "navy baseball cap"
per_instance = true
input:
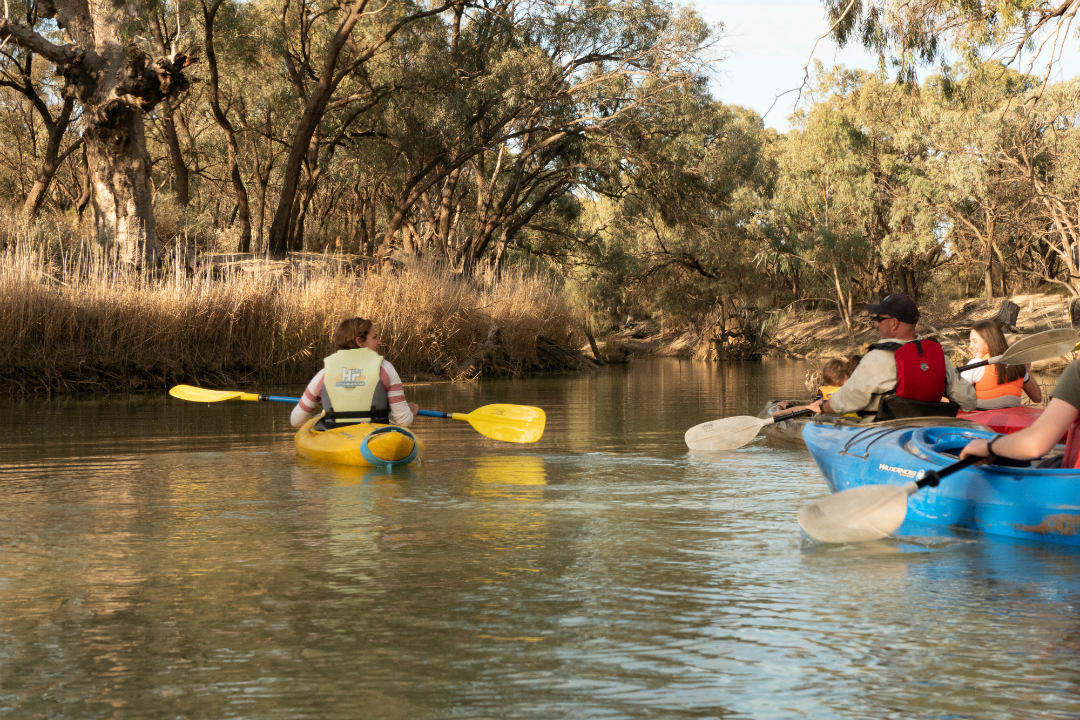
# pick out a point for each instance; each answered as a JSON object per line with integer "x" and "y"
{"x": 896, "y": 305}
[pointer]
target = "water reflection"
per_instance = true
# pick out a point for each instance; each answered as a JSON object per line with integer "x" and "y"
{"x": 170, "y": 559}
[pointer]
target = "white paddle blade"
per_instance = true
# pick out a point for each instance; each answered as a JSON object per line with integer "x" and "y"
{"x": 869, "y": 512}
{"x": 725, "y": 434}
{"x": 1041, "y": 346}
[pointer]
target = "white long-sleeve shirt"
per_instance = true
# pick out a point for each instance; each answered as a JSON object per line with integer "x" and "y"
{"x": 400, "y": 412}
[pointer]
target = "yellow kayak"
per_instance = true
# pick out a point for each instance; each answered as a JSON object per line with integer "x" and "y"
{"x": 364, "y": 444}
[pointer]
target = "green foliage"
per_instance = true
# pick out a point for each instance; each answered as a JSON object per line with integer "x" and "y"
{"x": 580, "y": 139}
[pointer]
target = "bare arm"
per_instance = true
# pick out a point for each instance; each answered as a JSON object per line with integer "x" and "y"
{"x": 1033, "y": 441}
{"x": 1031, "y": 387}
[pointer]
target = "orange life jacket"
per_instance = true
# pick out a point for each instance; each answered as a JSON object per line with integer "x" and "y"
{"x": 987, "y": 387}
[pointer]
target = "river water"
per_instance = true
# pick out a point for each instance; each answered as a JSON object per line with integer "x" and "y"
{"x": 168, "y": 559}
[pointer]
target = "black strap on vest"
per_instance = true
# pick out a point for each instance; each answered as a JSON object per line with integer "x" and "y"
{"x": 338, "y": 419}
{"x": 893, "y": 407}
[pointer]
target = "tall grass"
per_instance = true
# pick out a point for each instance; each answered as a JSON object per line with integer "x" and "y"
{"x": 78, "y": 322}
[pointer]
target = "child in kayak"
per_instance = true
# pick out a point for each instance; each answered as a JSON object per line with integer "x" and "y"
{"x": 997, "y": 386}
{"x": 356, "y": 384}
{"x": 835, "y": 373}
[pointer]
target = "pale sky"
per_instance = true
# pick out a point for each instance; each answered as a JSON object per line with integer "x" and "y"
{"x": 767, "y": 43}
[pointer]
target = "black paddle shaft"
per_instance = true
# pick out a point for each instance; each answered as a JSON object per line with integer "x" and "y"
{"x": 781, "y": 417}
{"x": 932, "y": 477}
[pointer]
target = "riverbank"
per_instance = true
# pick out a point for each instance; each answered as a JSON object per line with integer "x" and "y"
{"x": 81, "y": 324}
{"x": 816, "y": 336}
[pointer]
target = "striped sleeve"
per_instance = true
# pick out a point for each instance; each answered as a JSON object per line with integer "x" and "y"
{"x": 400, "y": 412}
{"x": 309, "y": 401}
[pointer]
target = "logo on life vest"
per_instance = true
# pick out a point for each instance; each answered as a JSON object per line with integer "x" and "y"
{"x": 352, "y": 377}
{"x": 924, "y": 367}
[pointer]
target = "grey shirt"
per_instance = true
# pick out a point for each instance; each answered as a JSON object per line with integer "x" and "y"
{"x": 1068, "y": 385}
{"x": 876, "y": 376}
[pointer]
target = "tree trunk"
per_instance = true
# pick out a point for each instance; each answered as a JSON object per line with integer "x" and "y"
{"x": 120, "y": 179}
{"x": 1007, "y": 315}
{"x": 181, "y": 184}
{"x": 845, "y": 309}
{"x": 243, "y": 208}
{"x": 53, "y": 158}
{"x": 117, "y": 84}
{"x": 87, "y": 189}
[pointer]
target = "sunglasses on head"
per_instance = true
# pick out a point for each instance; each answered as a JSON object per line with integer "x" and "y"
{"x": 879, "y": 318}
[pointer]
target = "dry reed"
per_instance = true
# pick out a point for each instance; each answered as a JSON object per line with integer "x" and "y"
{"x": 77, "y": 322}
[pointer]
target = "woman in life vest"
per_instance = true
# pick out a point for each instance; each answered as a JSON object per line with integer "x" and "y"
{"x": 355, "y": 384}
{"x": 997, "y": 386}
{"x": 1060, "y": 417}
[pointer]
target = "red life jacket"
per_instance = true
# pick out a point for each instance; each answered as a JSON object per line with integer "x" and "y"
{"x": 920, "y": 369}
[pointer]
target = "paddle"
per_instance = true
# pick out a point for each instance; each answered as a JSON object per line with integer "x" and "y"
{"x": 509, "y": 423}
{"x": 868, "y": 512}
{"x": 198, "y": 394}
{"x": 733, "y": 432}
{"x": 1040, "y": 346}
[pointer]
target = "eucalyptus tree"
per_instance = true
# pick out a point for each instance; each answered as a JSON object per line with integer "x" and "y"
{"x": 1043, "y": 151}
{"x": 907, "y": 33}
{"x": 324, "y": 49}
{"x": 982, "y": 202}
{"x": 524, "y": 91}
{"x": 675, "y": 230}
{"x": 45, "y": 109}
{"x": 825, "y": 197}
{"x": 220, "y": 98}
{"x": 116, "y": 82}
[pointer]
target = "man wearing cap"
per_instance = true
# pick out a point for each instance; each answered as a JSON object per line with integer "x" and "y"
{"x": 915, "y": 370}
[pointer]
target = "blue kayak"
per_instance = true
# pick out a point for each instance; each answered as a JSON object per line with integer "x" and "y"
{"x": 1022, "y": 502}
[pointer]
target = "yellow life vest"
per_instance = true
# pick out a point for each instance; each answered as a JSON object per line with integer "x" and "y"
{"x": 350, "y": 383}
{"x": 826, "y": 391}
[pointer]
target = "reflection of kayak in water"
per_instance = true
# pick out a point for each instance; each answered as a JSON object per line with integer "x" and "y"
{"x": 1004, "y": 420}
{"x": 364, "y": 444}
{"x": 785, "y": 432}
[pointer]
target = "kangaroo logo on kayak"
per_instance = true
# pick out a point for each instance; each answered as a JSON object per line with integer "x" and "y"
{"x": 352, "y": 377}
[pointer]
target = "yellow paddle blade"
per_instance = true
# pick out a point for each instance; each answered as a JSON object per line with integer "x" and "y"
{"x": 509, "y": 423}
{"x": 198, "y": 394}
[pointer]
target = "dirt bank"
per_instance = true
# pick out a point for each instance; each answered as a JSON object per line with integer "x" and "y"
{"x": 816, "y": 336}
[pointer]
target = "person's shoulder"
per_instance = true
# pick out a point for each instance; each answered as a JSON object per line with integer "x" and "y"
{"x": 1071, "y": 372}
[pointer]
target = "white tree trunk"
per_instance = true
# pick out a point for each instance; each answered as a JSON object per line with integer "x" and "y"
{"x": 122, "y": 198}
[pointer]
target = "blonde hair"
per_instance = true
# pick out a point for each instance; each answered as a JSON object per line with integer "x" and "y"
{"x": 837, "y": 370}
